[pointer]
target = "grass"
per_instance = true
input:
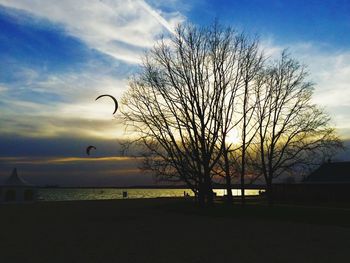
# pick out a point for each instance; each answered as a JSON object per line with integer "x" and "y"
{"x": 299, "y": 213}
{"x": 171, "y": 230}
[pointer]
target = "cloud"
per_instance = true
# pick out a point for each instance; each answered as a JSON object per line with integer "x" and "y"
{"x": 121, "y": 29}
{"x": 71, "y": 145}
{"x": 53, "y": 127}
{"x": 65, "y": 160}
{"x": 76, "y": 171}
{"x": 3, "y": 89}
{"x": 331, "y": 73}
{"x": 56, "y": 104}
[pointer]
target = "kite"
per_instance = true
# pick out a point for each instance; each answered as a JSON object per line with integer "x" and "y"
{"x": 114, "y": 99}
{"x": 88, "y": 149}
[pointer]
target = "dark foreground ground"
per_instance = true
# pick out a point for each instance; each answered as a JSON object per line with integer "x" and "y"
{"x": 171, "y": 230}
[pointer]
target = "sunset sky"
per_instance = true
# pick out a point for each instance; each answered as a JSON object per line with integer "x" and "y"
{"x": 58, "y": 56}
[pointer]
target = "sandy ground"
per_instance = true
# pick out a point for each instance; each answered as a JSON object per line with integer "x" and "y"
{"x": 146, "y": 231}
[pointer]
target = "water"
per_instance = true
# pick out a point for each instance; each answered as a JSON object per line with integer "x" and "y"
{"x": 70, "y": 194}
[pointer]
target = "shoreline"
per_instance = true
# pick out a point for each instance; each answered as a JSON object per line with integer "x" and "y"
{"x": 254, "y": 187}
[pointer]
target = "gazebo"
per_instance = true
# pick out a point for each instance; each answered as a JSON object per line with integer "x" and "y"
{"x": 16, "y": 189}
{"x": 330, "y": 182}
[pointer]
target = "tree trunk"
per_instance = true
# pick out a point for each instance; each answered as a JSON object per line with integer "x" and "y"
{"x": 243, "y": 174}
{"x": 229, "y": 197}
{"x": 208, "y": 191}
{"x": 269, "y": 192}
{"x": 244, "y": 147}
{"x": 201, "y": 195}
{"x": 242, "y": 182}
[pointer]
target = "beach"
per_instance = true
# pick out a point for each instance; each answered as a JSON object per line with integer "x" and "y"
{"x": 164, "y": 230}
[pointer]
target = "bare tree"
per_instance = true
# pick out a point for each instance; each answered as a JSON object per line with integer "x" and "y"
{"x": 197, "y": 88}
{"x": 182, "y": 104}
{"x": 291, "y": 129}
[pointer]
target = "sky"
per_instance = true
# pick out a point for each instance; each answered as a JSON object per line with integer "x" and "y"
{"x": 56, "y": 57}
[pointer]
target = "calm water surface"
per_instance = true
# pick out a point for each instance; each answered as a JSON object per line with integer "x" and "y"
{"x": 59, "y": 194}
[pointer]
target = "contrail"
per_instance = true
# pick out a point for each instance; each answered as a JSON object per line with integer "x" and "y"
{"x": 157, "y": 16}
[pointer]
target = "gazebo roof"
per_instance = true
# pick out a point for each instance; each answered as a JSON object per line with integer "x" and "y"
{"x": 337, "y": 172}
{"x": 15, "y": 180}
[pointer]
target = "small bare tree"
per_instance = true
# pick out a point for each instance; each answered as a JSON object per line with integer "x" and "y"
{"x": 291, "y": 129}
{"x": 233, "y": 162}
{"x": 252, "y": 64}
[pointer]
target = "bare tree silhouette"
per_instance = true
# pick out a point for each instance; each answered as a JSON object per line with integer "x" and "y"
{"x": 292, "y": 130}
{"x": 183, "y": 102}
{"x": 203, "y": 84}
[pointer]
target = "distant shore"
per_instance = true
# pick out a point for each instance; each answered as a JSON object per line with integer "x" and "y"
{"x": 147, "y": 187}
{"x": 169, "y": 230}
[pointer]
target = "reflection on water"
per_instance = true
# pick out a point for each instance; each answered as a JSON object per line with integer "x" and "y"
{"x": 237, "y": 192}
{"x": 70, "y": 194}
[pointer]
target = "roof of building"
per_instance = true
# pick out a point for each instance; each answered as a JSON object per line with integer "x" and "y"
{"x": 15, "y": 180}
{"x": 331, "y": 172}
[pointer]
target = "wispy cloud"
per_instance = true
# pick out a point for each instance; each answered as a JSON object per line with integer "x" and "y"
{"x": 122, "y": 29}
{"x": 39, "y": 101}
